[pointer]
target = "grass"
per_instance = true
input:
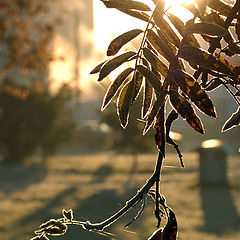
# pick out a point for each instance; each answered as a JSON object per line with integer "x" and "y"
{"x": 96, "y": 185}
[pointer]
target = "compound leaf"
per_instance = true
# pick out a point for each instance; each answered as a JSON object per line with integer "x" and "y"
{"x": 138, "y": 78}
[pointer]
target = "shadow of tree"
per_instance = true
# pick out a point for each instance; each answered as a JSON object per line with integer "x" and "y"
{"x": 15, "y": 178}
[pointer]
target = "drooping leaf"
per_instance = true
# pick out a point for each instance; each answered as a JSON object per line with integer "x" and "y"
{"x": 155, "y": 61}
{"x": 206, "y": 28}
{"x": 113, "y": 88}
{"x": 138, "y": 78}
{"x": 150, "y": 77}
{"x": 136, "y": 14}
{"x": 147, "y": 98}
{"x": 214, "y": 84}
{"x": 124, "y": 102}
{"x": 155, "y": 110}
{"x": 190, "y": 6}
{"x": 160, "y": 45}
{"x": 159, "y": 9}
{"x": 219, "y": 6}
{"x": 115, "y": 62}
{"x": 159, "y": 126}
{"x": 98, "y": 67}
{"x": 177, "y": 23}
{"x": 233, "y": 121}
{"x": 184, "y": 108}
{"x": 172, "y": 116}
{"x": 194, "y": 91}
{"x": 204, "y": 59}
{"x": 121, "y": 40}
{"x": 171, "y": 228}
{"x": 126, "y": 4}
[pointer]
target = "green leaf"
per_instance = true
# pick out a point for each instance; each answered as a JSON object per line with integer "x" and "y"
{"x": 206, "y": 28}
{"x": 160, "y": 45}
{"x": 126, "y": 4}
{"x": 147, "y": 98}
{"x": 155, "y": 61}
{"x": 115, "y": 62}
{"x": 194, "y": 91}
{"x": 113, "y": 88}
{"x": 151, "y": 78}
{"x": 233, "y": 121}
{"x": 121, "y": 40}
{"x": 184, "y": 108}
{"x": 204, "y": 59}
{"x": 155, "y": 110}
{"x": 138, "y": 78}
{"x": 124, "y": 102}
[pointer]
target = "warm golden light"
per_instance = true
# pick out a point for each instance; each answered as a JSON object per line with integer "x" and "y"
{"x": 212, "y": 143}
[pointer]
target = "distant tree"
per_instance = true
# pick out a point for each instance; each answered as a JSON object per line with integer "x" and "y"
{"x": 168, "y": 49}
{"x": 33, "y": 118}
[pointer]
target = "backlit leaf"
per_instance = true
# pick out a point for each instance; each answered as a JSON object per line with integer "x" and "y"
{"x": 113, "y": 88}
{"x": 150, "y": 77}
{"x": 155, "y": 61}
{"x": 177, "y": 23}
{"x": 219, "y": 6}
{"x": 138, "y": 78}
{"x": 190, "y": 6}
{"x": 124, "y": 102}
{"x": 194, "y": 91}
{"x": 147, "y": 98}
{"x": 204, "y": 59}
{"x": 160, "y": 45}
{"x": 233, "y": 121}
{"x": 206, "y": 28}
{"x": 171, "y": 228}
{"x": 202, "y": 4}
{"x": 121, "y": 40}
{"x": 214, "y": 84}
{"x": 157, "y": 235}
{"x": 126, "y": 4}
{"x": 98, "y": 67}
{"x": 184, "y": 108}
{"x": 136, "y": 14}
{"x": 155, "y": 110}
{"x": 115, "y": 62}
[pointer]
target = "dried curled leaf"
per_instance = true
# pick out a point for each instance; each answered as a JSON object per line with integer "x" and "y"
{"x": 124, "y": 102}
{"x": 194, "y": 91}
{"x": 68, "y": 214}
{"x": 171, "y": 228}
{"x": 233, "y": 121}
{"x": 155, "y": 61}
{"x": 206, "y": 28}
{"x": 121, "y": 40}
{"x": 184, "y": 108}
{"x": 113, "y": 88}
{"x": 115, "y": 62}
{"x": 160, "y": 45}
{"x": 204, "y": 59}
{"x": 151, "y": 78}
{"x": 127, "y": 4}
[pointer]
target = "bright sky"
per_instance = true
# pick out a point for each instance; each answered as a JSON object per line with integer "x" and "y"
{"x": 110, "y": 22}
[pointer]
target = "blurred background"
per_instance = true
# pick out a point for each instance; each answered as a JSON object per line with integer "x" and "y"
{"x": 58, "y": 150}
